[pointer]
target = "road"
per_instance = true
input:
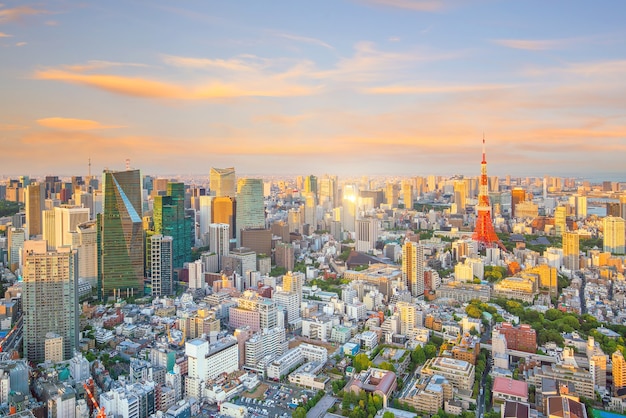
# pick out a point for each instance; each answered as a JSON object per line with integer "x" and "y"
{"x": 480, "y": 402}
{"x": 14, "y": 337}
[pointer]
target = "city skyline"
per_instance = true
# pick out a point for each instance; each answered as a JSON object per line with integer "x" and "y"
{"x": 374, "y": 87}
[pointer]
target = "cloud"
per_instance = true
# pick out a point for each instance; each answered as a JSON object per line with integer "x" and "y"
{"x": 12, "y": 127}
{"x": 154, "y": 89}
{"x": 17, "y": 13}
{"x": 534, "y": 45}
{"x": 191, "y": 62}
{"x": 306, "y": 40}
{"x": 280, "y": 119}
{"x": 21, "y": 44}
{"x": 590, "y": 68}
{"x": 433, "y": 89}
{"x": 5, "y": 35}
{"x": 70, "y": 124}
{"x": 414, "y": 5}
{"x": 100, "y": 64}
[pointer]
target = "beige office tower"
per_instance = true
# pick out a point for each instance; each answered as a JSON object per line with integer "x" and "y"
{"x": 222, "y": 181}
{"x": 293, "y": 282}
{"x": 408, "y": 316}
{"x": 407, "y": 194}
{"x": 413, "y": 267}
{"x": 49, "y": 299}
{"x": 571, "y": 250}
{"x": 367, "y": 231}
{"x": 391, "y": 195}
{"x": 310, "y": 209}
{"x": 250, "y": 212}
{"x": 614, "y": 235}
{"x": 34, "y": 198}
{"x": 460, "y": 195}
{"x": 66, "y": 220}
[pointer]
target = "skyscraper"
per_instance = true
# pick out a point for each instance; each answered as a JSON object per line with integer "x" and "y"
{"x": 223, "y": 211}
{"x": 614, "y": 235}
{"x": 366, "y": 234}
{"x": 222, "y": 181}
{"x": 34, "y": 198}
{"x": 161, "y": 273}
{"x": 87, "y": 248}
{"x": 170, "y": 219}
{"x": 571, "y": 250}
{"x": 518, "y": 195}
{"x": 120, "y": 235}
{"x": 560, "y": 220}
{"x": 219, "y": 240}
{"x": 250, "y": 211}
{"x": 49, "y": 298}
{"x": 66, "y": 220}
{"x": 413, "y": 267}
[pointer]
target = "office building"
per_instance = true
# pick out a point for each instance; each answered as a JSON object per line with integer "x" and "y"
{"x": 87, "y": 248}
{"x": 15, "y": 238}
{"x": 571, "y": 251}
{"x": 413, "y": 267}
{"x": 614, "y": 235}
{"x": 121, "y": 236}
{"x": 66, "y": 220}
{"x": 222, "y": 182}
{"x": 258, "y": 240}
{"x": 161, "y": 265}
{"x": 171, "y": 220}
{"x": 223, "y": 211}
{"x": 250, "y": 212}
{"x": 366, "y": 234}
{"x": 619, "y": 370}
{"x": 34, "y": 198}
{"x": 560, "y": 220}
{"x": 284, "y": 255}
{"x": 49, "y": 299}
{"x": 459, "y": 373}
{"x": 219, "y": 240}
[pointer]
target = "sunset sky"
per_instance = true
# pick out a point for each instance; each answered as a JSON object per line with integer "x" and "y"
{"x": 400, "y": 87}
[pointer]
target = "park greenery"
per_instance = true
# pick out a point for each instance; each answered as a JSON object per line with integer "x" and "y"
{"x": 362, "y": 405}
{"x": 8, "y": 208}
{"x": 550, "y": 325}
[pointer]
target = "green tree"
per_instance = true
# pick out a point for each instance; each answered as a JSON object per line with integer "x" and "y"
{"x": 361, "y": 362}
{"x": 418, "y": 356}
{"x": 299, "y": 412}
{"x": 385, "y": 365}
{"x": 430, "y": 350}
{"x": 388, "y": 414}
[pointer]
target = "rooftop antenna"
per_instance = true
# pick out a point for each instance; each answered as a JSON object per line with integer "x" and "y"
{"x": 127, "y": 164}
{"x": 89, "y": 164}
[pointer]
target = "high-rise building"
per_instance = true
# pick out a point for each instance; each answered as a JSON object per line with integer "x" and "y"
{"x": 571, "y": 250}
{"x": 49, "y": 298}
{"x": 34, "y": 198}
{"x": 170, "y": 220}
{"x": 222, "y": 182}
{"x": 161, "y": 272}
{"x": 87, "y": 248}
{"x": 518, "y": 195}
{"x": 16, "y": 238}
{"x": 366, "y": 234}
{"x": 219, "y": 240}
{"x": 391, "y": 195}
{"x": 120, "y": 235}
{"x": 66, "y": 220}
{"x": 223, "y": 211}
{"x": 408, "y": 316}
{"x": 560, "y": 220}
{"x": 310, "y": 210}
{"x": 614, "y": 235}
{"x": 204, "y": 217}
{"x": 413, "y": 267}
{"x": 619, "y": 370}
{"x": 407, "y": 194}
{"x": 284, "y": 255}
{"x": 250, "y": 211}
{"x": 460, "y": 195}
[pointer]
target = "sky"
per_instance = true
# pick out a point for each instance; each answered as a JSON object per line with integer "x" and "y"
{"x": 355, "y": 87}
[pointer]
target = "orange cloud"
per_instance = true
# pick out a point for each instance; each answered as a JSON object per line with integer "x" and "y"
{"x": 147, "y": 88}
{"x": 69, "y": 124}
{"x": 12, "y": 127}
{"x": 5, "y": 35}
{"x": 16, "y": 13}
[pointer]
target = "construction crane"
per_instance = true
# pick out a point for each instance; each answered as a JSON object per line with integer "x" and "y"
{"x": 99, "y": 410}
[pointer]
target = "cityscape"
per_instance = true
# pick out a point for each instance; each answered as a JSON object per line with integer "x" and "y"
{"x": 362, "y": 209}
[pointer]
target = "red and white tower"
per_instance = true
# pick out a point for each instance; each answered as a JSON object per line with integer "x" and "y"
{"x": 484, "y": 232}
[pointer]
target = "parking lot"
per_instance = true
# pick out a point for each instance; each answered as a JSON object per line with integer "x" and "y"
{"x": 278, "y": 401}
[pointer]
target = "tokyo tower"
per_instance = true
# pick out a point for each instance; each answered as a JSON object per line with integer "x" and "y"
{"x": 484, "y": 232}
